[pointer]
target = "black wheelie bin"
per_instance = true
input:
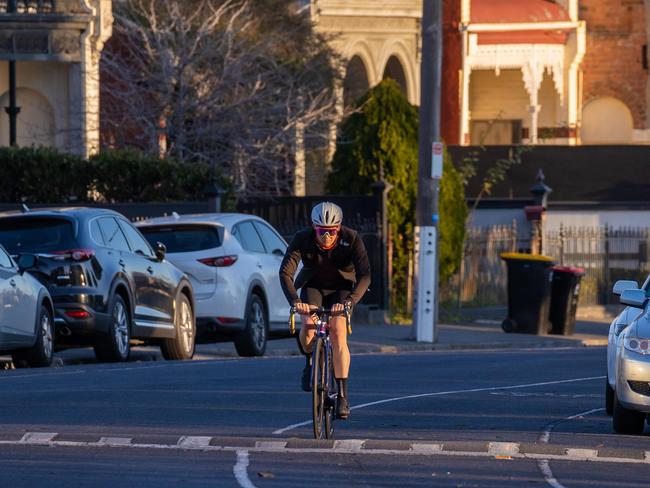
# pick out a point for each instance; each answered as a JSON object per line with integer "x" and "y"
{"x": 529, "y": 293}
{"x": 565, "y": 289}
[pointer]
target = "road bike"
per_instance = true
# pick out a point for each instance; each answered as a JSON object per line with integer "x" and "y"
{"x": 323, "y": 383}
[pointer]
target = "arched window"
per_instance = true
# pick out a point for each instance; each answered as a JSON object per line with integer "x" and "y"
{"x": 606, "y": 120}
{"x": 395, "y": 71}
{"x": 356, "y": 82}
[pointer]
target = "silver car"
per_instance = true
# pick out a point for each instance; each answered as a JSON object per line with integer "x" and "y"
{"x": 26, "y": 312}
{"x": 631, "y": 388}
{"x": 618, "y": 325}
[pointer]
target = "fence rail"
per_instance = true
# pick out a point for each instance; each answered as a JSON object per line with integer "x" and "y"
{"x": 605, "y": 254}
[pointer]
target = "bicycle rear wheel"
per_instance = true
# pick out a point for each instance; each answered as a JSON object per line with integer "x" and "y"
{"x": 318, "y": 380}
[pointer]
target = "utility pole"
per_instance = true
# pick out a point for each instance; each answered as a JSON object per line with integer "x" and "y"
{"x": 425, "y": 311}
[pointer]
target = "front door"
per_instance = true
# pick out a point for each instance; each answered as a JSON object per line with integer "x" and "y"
{"x": 154, "y": 288}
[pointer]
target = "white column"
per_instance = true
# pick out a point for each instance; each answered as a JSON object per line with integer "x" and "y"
{"x": 532, "y": 73}
{"x": 574, "y": 103}
{"x": 464, "y": 95}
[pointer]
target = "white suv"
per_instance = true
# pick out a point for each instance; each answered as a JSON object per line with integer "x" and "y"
{"x": 233, "y": 262}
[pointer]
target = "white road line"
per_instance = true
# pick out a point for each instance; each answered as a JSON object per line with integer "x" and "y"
{"x": 426, "y": 448}
{"x": 38, "y": 437}
{"x": 546, "y": 433}
{"x": 548, "y": 474}
{"x": 544, "y": 464}
{"x": 194, "y": 442}
{"x": 441, "y": 393}
{"x": 349, "y": 445}
{"x": 417, "y": 450}
{"x": 240, "y": 472}
{"x": 503, "y": 448}
{"x": 115, "y": 441}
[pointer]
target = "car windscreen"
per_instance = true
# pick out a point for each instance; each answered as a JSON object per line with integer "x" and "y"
{"x": 35, "y": 235}
{"x": 184, "y": 238}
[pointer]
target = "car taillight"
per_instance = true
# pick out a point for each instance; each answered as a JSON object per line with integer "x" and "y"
{"x": 73, "y": 254}
{"x": 220, "y": 261}
{"x": 77, "y": 314}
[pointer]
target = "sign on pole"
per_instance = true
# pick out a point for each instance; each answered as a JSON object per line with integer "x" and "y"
{"x": 436, "y": 160}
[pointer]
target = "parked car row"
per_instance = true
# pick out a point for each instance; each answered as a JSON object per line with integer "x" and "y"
{"x": 72, "y": 277}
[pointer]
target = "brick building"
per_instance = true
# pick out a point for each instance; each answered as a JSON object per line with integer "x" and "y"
{"x": 615, "y": 71}
{"x": 547, "y": 72}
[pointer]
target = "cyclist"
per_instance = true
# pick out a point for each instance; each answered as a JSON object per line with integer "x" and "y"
{"x": 335, "y": 273}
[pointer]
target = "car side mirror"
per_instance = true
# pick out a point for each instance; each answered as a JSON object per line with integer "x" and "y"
{"x": 161, "y": 250}
{"x": 278, "y": 252}
{"x": 621, "y": 285}
{"x": 634, "y": 298}
{"x": 26, "y": 261}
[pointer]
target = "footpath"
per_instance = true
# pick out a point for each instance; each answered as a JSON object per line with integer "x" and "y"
{"x": 480, "y": 334}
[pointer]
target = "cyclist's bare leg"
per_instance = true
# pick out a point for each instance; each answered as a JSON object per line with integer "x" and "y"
{"x": 307, "y": 333}
{"x": 341, "y": 353}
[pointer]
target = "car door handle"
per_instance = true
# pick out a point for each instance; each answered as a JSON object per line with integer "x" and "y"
{"x": 150, "y": 269}
{"x": 259, "y": 265}
{"x": 122, "y": 263}
{"x": 12, "y": 282}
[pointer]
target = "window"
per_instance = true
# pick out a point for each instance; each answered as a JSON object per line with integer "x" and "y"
{"x": 36, "y": 234}
{"x": 138, "y": 243}
{"x": 271, "y": 239}
{"x": 249, "y": 238}
{"x": 113, "y": 236}
{"x": 185, "y": 238}
{"x": 96, "y": 233}
{"x": 5, "y": 260}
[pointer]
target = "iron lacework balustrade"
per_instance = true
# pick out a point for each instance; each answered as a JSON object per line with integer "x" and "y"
{"x": 27, "y": 6}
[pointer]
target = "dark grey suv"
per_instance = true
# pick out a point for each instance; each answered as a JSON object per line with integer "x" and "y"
{"x": 109, "y": 287}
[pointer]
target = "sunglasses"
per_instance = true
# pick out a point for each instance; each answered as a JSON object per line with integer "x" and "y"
{"x": 323, "y": 231}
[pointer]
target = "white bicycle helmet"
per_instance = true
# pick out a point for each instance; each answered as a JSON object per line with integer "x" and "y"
{"x": 327, "y": 214}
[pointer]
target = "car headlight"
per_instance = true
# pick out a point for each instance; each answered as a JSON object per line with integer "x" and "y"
{"x": 635, "y": 344}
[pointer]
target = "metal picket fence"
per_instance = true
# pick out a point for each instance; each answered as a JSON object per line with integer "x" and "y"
{"x": 605, "y": 254}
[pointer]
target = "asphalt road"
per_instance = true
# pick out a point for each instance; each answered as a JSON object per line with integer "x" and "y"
{"x": 471, "y": 418}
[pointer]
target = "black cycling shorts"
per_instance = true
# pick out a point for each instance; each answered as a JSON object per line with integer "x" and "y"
{"x": 323, "y": 298}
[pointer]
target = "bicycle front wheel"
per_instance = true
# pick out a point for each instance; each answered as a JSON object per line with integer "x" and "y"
{"x": 318, "y": 381}
{"x": 329, "y": 395}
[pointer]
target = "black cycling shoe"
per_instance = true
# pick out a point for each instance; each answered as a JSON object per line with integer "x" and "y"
{"x": 306, "y": 379}
{"x": 342, "y": 408}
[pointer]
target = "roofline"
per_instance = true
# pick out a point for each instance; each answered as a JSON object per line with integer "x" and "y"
{"x": 520, "y": 26}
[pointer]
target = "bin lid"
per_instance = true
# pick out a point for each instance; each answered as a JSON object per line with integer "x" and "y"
{"x": 568, "y": 269}
{"x": 525, "y": 257}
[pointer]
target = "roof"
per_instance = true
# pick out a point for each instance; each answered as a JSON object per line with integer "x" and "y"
{"x": 68, "y": 211}
{"x": 507, "y": 11}
{"x": 612, "y": 176}
{"x": 207, "y": 218}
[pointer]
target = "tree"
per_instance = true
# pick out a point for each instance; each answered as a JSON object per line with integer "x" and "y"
{"x": 228, "y": 82}
{"x": 381, "y": 139}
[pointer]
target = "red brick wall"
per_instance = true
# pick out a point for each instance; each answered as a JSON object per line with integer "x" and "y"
{"x": 452, "y": 64}
{"x": 613, "y": 65}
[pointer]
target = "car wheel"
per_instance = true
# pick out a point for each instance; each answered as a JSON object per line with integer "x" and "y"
{"x": 40, "y": 354}
{"x": 609, "y": 398}
{"x": 252, "y": 340}
{"x": 626, "y": 421}
{"x": 114, "y": 346}
{"x": 182, "y": 346}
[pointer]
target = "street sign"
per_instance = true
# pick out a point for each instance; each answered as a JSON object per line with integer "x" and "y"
{"x": 436, "y": 160}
